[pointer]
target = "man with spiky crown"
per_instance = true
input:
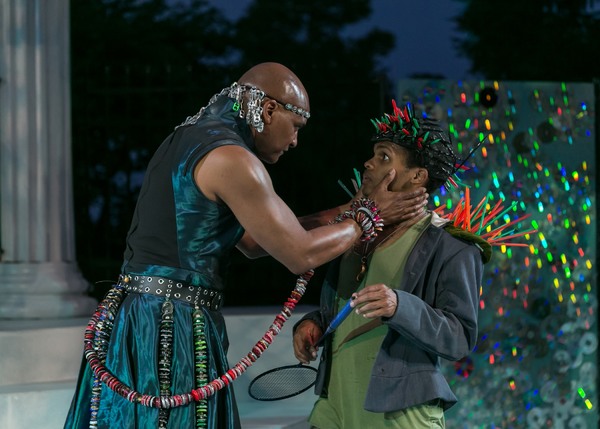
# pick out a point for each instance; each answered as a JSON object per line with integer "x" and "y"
{"x": 156, "y": 347}
{"x": 415, "y": 291}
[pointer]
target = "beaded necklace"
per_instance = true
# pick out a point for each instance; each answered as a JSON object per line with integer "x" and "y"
{"x": 364, "y": 249}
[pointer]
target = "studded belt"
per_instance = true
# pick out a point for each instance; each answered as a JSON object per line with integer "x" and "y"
{"x": 169, "y": 288}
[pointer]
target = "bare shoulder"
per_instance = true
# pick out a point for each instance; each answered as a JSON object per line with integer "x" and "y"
{"x": 226, "y": 169}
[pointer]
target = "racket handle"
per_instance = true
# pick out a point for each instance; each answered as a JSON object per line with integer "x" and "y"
{"x": 337, "y": 320}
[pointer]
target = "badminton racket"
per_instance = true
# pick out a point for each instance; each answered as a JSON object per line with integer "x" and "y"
{"x": 291, "y": 380}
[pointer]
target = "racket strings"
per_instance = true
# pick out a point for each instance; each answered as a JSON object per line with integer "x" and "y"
{"x": 282, "y": 383}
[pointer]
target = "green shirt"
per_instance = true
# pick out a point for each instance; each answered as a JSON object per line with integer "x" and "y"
{"x": 357, "y": 340}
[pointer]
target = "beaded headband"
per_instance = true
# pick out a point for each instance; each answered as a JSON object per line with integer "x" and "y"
{"x": 426, "y": 138}
{"x": 288, "y": 106}
{"x": 253, "y": 111}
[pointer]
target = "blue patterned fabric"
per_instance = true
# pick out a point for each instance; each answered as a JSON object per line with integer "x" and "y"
{"x": 176, "y": 232}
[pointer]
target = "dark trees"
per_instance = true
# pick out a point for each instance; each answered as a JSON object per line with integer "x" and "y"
{"x": 555, "y": 40}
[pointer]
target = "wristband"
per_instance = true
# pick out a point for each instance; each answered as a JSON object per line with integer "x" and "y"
{"x": 364, "y": 212}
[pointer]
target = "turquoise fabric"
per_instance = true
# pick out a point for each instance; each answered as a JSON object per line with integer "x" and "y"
{"x": 178, "y": 233}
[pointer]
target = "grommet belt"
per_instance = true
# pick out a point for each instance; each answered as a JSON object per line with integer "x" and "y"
{"x": 169, "y": 288}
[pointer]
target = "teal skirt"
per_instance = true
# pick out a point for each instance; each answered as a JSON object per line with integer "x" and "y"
{"x": 133, "y": 355}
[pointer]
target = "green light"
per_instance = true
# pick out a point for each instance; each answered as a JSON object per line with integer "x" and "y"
{"x": 540, "y": 207}
{"x": 495, "y": 180}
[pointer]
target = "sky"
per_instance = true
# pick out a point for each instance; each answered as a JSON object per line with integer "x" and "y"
{"x": 423, "y": 28}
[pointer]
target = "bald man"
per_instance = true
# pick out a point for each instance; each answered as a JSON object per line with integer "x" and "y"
{"x": 206, "y": 191}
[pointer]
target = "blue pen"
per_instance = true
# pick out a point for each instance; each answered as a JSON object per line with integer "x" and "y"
{"x": 337, "y": 320}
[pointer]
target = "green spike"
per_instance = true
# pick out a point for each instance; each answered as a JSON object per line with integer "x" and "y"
{"x": 459, "y": 182}
{"x": 358, "y": 177}
{"x": 375, "y": 124}
{"x": 345, "y": 188}
{"x": 498, "y": 216}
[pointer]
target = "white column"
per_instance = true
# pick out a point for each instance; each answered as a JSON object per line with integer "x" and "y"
{"x": 39, "y": 277}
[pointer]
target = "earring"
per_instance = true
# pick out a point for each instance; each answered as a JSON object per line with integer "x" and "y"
{"x": 254, "y": 114}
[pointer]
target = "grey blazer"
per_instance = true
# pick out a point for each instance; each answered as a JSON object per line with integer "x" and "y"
{"x": 436, "y": 318}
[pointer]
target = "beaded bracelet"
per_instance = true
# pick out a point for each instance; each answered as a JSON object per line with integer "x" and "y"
{"x": 364, "y": 212}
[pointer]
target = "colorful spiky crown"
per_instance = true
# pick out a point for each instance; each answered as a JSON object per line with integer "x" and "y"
{"x": 425, "y": 138}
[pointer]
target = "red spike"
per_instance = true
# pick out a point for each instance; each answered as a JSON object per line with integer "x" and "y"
{"x": 468, "y": 209}
{"x": 395, "y": 107}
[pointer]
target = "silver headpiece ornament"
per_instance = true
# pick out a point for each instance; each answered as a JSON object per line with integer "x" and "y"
{"x": 253, "y": 111}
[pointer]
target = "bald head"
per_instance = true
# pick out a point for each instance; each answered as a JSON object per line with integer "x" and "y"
{"x": 277, "y": 81}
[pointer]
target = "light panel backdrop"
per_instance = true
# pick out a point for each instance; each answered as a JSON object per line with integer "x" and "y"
{"x": 535, "y": 363}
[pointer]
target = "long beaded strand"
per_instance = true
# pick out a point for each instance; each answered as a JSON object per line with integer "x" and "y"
{"x": 165, "y": 358}
{"x": 201, "y": 362}
{"x": 106, "y": 316}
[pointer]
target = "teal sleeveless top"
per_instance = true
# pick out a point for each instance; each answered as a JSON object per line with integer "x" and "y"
{"x": 176, "y": 231}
